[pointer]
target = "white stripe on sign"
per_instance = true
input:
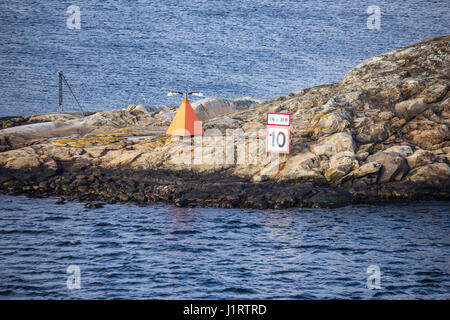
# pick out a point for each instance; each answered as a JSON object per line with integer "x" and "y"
{"x": 278, "y": 119}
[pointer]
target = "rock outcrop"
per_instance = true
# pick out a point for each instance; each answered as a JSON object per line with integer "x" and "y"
{"x": 210, "y": 108}
{"x": 382, "y": 133}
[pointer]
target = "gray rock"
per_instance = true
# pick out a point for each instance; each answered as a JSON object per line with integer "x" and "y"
{"x": 405, "y": 151}
{"x": 372, "y": 132}
{"x": 410, "y": 108}
{"x": 166, "y": 115}
{"x": 143, "y": 108}
{"x": 209, "y": 108}
{"x": 332, "y": 122}
{"x": 341, "y": 164}
{"x": 394, "y": 166}
{"x": 366, "y": 169}
{"x": 222, "y": 123}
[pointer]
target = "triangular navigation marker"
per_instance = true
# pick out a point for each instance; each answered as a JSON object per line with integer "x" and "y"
{"x": 185, "y": 122}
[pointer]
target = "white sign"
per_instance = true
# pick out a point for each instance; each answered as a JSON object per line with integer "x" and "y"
{"x": 277, "y": 139}
{"x": 277, "y": 133}
{"x": 278, "y": 119}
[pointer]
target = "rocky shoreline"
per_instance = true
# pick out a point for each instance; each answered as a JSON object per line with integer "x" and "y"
{"x": 381, "y": 134}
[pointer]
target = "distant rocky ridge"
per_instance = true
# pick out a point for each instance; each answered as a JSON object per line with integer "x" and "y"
{"x": 382, "y": 133}
{"x": 210, "y": 108}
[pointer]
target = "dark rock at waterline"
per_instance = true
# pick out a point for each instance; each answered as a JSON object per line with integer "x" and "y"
{"x": 95, "y": 205}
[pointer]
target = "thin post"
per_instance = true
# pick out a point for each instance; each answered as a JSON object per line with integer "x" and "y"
{"x": 73, "y": 95}
{"x": 60, "y": 93}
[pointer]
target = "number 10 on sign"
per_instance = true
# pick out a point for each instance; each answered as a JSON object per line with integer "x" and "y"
{"x": 277, "y": 139}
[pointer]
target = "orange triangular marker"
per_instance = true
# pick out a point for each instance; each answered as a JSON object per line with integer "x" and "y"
{"x": 185, "y": 122}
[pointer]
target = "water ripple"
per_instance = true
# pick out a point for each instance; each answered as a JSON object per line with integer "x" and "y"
{"x": 132, "y": 252}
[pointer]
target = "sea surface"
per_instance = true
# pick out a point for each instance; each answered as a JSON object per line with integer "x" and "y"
{"x": 165, "y": 252}
{"x": 136, "y": 51}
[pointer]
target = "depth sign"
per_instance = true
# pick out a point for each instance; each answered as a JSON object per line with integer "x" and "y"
{"x": 277, "y": 133}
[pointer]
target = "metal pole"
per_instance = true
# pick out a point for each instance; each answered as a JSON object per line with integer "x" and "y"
{"x": 60, "y": 94}
{"x": 73, "y": 95}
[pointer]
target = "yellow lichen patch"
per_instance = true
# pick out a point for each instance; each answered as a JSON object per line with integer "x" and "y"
{"x": 119, "y": 132}
{"x": 314, "y": 128}
{"x": 158, "y": 142}
{"x": 327, "y": 139}
{"x": 317, "y": 116}
{"x": 125, "y": 129}
{"x": 321, "y": 116}
{"x": 326, "y": 116}
{"x": 162, "y": 141}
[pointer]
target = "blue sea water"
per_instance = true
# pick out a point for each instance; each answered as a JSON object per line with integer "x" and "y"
{"x": 165, "y": 252}
{"x": 136, "y": 51}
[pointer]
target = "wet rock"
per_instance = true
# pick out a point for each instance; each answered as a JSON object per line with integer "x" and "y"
{"x": 143, "y": 108}
{"x": 124, "y": 197}
{"x": 83, "y": 189}
{"x": 329, "y": 198}
{"x": 93, "y": 205}
{"x": 43, "y": 185}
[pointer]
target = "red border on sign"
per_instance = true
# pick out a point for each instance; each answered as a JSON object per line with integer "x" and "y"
{"x": 279, "y": 125}
{"x": 288, "y": 139}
